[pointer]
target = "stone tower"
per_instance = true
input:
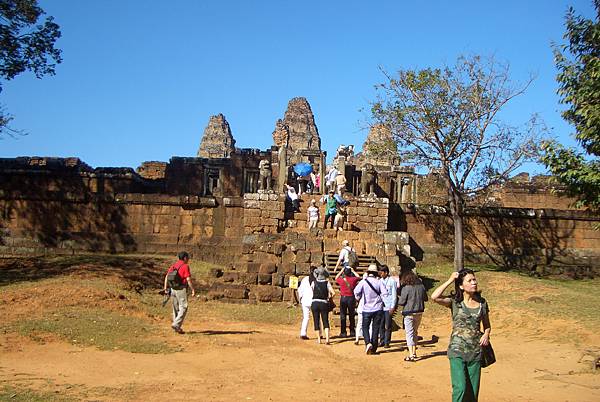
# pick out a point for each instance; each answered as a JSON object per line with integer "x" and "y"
{"x": 380, "y": 147}
{"x": 297, "y": 130}
{"x": 217, "y": 141}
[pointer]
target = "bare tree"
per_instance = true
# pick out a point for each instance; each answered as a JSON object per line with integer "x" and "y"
{"x": 448, "y": 119}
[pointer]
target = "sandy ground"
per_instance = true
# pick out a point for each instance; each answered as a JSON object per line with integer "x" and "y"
{"x": 223, "y": 361}
{"x": 243, "y": 361}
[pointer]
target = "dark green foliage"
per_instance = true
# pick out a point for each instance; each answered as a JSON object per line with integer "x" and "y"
{"x": 578, "y": 63}
{"x": 26, "y": 43}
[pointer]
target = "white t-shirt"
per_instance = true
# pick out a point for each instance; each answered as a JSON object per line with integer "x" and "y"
{"x": 293, "y": 195}
{"x": 313, "y": 212}
{"x": 344, "y": 252}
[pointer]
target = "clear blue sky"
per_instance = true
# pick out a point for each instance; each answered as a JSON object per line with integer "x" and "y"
{"x": 140, "y": 78}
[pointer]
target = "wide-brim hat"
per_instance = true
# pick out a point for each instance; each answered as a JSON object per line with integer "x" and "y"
{"x": 321, "y": 273}
{"x": 372, "y": 268}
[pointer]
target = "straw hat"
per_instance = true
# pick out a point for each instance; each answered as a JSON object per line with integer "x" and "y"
{"x": 372, "y": 268}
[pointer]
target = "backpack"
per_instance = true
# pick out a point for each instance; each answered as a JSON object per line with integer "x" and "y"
{"x": 174, "y": 280}
{"x": 352, "y": 258}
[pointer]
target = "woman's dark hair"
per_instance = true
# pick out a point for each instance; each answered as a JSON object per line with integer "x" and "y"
{"x": 311, "y": 274}
{"x": 458, "y": 292}
{"x": 183, "y": 255}
{"x": 409, "y": 278}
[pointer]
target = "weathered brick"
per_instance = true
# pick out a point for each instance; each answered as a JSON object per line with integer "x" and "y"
{"x": 288, "y": 256}
{"x": 265, "y": 257}
{"x": 268, "y": 293}
{"x": 268, "y": 268}
{"x": 230, "y": 276}
{"x": 238, "y": 292}
{"x": 316, "y": 258}
{"x": 287, "y": 268}
{"x": 264, "y": 279}
{"x": 302, "y": 269}
{"x": 302, "y": 256}
{"x": 253, "y": 267}
{"x": 277, "y": 279}
{"x": 288, "y": 294}
{"x": 297, "y": 244}
{"x": 313, "y": 245}
{"x": 380, "y": 219}
{"x": 248, "y": 278}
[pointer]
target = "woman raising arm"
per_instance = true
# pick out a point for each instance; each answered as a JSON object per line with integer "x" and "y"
{"x": 469, "y": 314}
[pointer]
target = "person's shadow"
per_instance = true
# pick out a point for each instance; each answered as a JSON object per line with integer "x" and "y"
{"x": 213, "y": 332}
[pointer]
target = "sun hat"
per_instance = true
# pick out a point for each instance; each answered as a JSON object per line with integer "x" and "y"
{"x": 372, "y": 268}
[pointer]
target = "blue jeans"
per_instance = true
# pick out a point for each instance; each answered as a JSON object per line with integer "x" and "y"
{"x": 376, "y": 317}
{"x": 385, "y": 329}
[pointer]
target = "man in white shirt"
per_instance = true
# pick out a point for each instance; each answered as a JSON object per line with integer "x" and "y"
{"x": 305, "y": 294}
{"x": 331, "y": 176}
{"x": 293, "y": 197}
{"x": 344, "y": 255}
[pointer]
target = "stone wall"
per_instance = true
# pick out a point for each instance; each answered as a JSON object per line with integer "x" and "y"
{"x": 532, "y": 240}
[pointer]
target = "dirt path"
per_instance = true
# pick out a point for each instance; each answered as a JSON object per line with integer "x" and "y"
{"x": 247, "y": 361}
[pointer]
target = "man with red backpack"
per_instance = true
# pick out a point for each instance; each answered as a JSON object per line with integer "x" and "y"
{"x": 178, "y": 278}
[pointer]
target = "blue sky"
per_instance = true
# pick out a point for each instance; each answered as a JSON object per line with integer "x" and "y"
{"x": 140, "y": 78}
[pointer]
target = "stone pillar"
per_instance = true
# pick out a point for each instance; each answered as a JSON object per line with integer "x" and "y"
{"x": 283, "y": 169}
{"x": 322, "y": 168}
{"x": 341, "y": 164}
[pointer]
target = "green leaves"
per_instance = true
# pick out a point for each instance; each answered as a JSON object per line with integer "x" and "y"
{"x": 448, "y": 118}
{"x": 25, "y": 46}
{"x": 578, "y": 63}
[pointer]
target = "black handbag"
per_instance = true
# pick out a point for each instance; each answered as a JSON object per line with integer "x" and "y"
{"x": 330, "y": 304}
{"x": 488, "y": 357}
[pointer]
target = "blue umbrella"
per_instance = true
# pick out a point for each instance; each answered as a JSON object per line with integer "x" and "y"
{"x": 302, "y": 168}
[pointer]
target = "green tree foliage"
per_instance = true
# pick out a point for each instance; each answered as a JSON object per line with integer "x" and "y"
{"x": 578, "y": 63}
{"x": 448, "y": 120}
{"x": 25, "y": 44}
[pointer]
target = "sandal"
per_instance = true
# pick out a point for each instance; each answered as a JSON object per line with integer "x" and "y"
{"x": 410, "y": 358}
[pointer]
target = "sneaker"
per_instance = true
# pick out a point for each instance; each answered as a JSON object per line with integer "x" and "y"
{"x": 369, "y": 349}
{"x": 387, "y": 346}
{"x": 342, "y": 335}
{"x": 177, "y": 329}
{"x": 356, "y": 341}
{"x": 304, "y": 337}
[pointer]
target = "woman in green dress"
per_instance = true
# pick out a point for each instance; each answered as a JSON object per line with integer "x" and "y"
{"x": 469, "y": 314}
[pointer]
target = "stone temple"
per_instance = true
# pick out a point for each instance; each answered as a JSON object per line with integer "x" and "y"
{"x": 217, "y": 206}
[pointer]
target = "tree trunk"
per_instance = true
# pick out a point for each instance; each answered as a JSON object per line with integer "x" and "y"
{"x": 456, "y": 210}
{"x": 456, "y": 204}
{"x": 459, "y": 241}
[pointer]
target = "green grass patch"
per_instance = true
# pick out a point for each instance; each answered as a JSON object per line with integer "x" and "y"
{"x": 270, "y": 313}
{"x": 9, "y": 393}
{"x": 542, "y": 297}
{"x": 95, "y": 327}
{"x": 201, "y": 269}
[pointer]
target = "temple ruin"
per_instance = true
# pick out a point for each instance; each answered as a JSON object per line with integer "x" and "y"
{"x": 221, "y": 207}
